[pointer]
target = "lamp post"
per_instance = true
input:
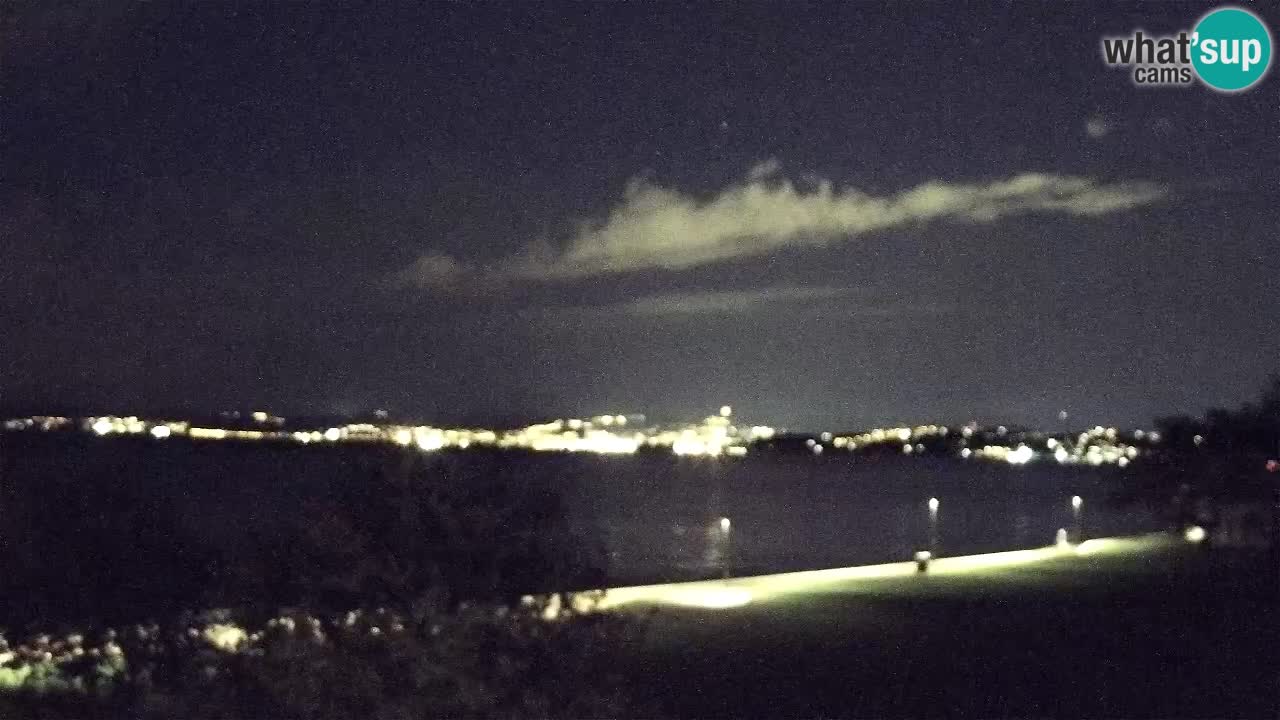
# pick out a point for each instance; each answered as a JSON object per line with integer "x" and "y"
{"x": 725, "y": 528}
{"x": 1077, "y": 505}
{"x": 933, "y": 526}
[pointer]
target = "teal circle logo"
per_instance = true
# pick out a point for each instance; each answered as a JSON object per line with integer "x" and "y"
{"x": 1231, "y": 49}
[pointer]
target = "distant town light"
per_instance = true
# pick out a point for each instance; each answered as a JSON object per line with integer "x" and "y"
{"x": 1195, "y": 534}
{"x": 933, "y": 504}
{"x": 1021, "y": 456}
{"x": 160, "y": 432}
{"x": 725, "y": 411}
{"x": 429, "y": 441}
{"x": 1076, "y": 502}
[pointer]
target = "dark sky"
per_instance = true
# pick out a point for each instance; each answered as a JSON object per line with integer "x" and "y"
{"x": 825, "y": 216}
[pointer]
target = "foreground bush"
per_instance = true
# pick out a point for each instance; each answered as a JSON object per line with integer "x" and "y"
{"x": 439, "y": 555}
{"x": 472, "y": 662}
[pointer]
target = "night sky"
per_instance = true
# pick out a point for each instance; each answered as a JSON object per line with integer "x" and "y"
{"x": 828, "y": 217}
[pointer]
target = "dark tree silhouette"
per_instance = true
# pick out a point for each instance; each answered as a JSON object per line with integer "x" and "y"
{"x": 1221, "y": 457}
{"x": 456, "y": 532}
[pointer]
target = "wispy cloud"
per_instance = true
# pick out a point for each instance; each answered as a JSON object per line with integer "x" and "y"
{"x": 727, "y": 301}
{"x": 661, "y": 228}
{"x": 434, "y": 271}
{"x": 847, "y": 301}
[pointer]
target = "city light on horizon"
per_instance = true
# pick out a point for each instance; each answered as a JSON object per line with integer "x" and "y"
{"x": 717, "y": 435}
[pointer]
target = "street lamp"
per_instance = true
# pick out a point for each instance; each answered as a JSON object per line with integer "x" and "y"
{"x": 1077, "y": 503}
{"x": 933, "y": 526}
{"x": 725, "y": 527}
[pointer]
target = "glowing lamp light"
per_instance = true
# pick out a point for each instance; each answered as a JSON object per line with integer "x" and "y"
{"x": 724, "y": 524}
{"x": 160, "y": 432}
{"x": 933, "y": 505}
{"x": 1076, "y": 502}
{"x": 922, "y": 558}
{"x": 1195, "y": 534}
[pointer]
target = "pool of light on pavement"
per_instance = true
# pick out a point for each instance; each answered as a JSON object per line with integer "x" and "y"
{"x": 736, "y": 592}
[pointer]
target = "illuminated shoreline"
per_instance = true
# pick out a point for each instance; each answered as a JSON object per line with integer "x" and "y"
{"x": 718, "y": 435}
